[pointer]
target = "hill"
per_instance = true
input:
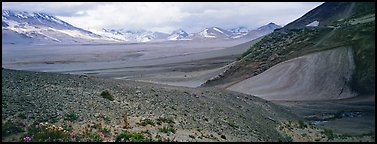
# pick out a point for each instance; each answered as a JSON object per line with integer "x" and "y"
{"x": 75, "y": 102}
{"x": 355, "y": 30}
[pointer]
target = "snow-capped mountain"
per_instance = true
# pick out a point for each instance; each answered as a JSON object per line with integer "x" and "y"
{"x": 239, "y": 30}
{"x": 269, "y": 27}
{"x": 261, "y": 31}
{"x": 41, "y": 28}
{"x": 119, "y": 35}
{"x": 131, "y": 36}
{"x": 212, "y": 33}
{"x": 155, "y": 36}
{"x": 234, "y": 33}
{"x": 178, "y": 35}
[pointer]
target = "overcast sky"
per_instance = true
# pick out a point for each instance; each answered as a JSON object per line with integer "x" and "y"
{"x": 166, "y": 17}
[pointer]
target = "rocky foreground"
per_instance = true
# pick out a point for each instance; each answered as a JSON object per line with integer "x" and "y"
{"x": 74, "y": 104}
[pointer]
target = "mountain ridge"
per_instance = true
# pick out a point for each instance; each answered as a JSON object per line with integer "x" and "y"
{"x": 42, "y": 28}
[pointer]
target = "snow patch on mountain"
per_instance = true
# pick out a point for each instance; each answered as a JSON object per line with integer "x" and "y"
{"x": 41, "y": 26}
{"x": 131, "y": 36}
{"x": 75, "y": 33}
{"x": 204, "y": 33}
{"x": 178, "y": 35}
{"x": 239, "y": 35}
{"x": 217, "y": 29}
{"x": 239, "y": 30}
{"x": 313, "y": 24}
{"x": 44, "y": 28}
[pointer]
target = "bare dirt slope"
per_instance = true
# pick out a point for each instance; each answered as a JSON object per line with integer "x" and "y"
{"x": 318, "y": 76}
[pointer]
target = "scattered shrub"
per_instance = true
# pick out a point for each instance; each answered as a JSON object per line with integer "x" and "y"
{"x": 106, "y": 94}
{"x": 146, "y": 132}
{"x": 42, "y": 118}
{"x": 106, "y": 132}
{"x": 232, "y": 124}
{"x": 223, "y": 136}
{"x": 289, "y": 139}
{"x": 167, "y": 130}
{"x": 126, "y": 137}
{"x": 192, "y": 136}
{"x": 22, "y": 116}
{"x": 45, "y": 132}
{"x": 67, "y": 127}
{"x": 11, "y": 128}
{"x": 107, "y": 119}
{"x": 50, "y": 133}
{"x": 146, "y": 122}
{"x": 53, "y": 120}
{"x": 33, "y": 129}
{"x": 301, "y": 124}
{"x": 72, "y": 116}
{"x": 164, "y": 120}
{"x": 125, "y": 120}
{"x": 329, "y": 134}
{"x": 90, "y": 137}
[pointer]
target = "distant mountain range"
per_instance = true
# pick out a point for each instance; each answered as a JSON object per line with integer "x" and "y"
{"x": 180, "y": 34}
{"x": 41, "y": 28}
{"x": 131, "y": 36}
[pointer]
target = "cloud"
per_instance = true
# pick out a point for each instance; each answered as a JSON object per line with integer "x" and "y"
{"x": 54, "y": 8}
{"x": 166, "y": 17}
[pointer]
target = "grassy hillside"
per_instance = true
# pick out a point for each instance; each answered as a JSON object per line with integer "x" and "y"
{"x": 364, "y": 54}
{"x": 362, "y": 9}
{"x": 325, "y": 13}
{"x": 329, "y": 12}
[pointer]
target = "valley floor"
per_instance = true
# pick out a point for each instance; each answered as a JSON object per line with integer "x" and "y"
{"x": 350, "y": 119}
{"x": 174, "y": 63}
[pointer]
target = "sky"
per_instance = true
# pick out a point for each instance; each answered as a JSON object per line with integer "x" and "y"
{"x": 168, "y": 16}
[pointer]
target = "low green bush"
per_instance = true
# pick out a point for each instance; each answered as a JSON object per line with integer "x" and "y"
{"x": 51, "y": 133}
{"x": 301, "y": 124}
{"x": 126, "y": 137}
{"x": 72, "y": 116}
{"x": 146, "y": 122}
{"x": 329, "y": 133}
{"x": 106, "y": 94}
{"x": 167, "y": 130}
{"x": 232, "y": 124}
{"x": 164, "y": 120}
{"x": 9, "y": 128}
